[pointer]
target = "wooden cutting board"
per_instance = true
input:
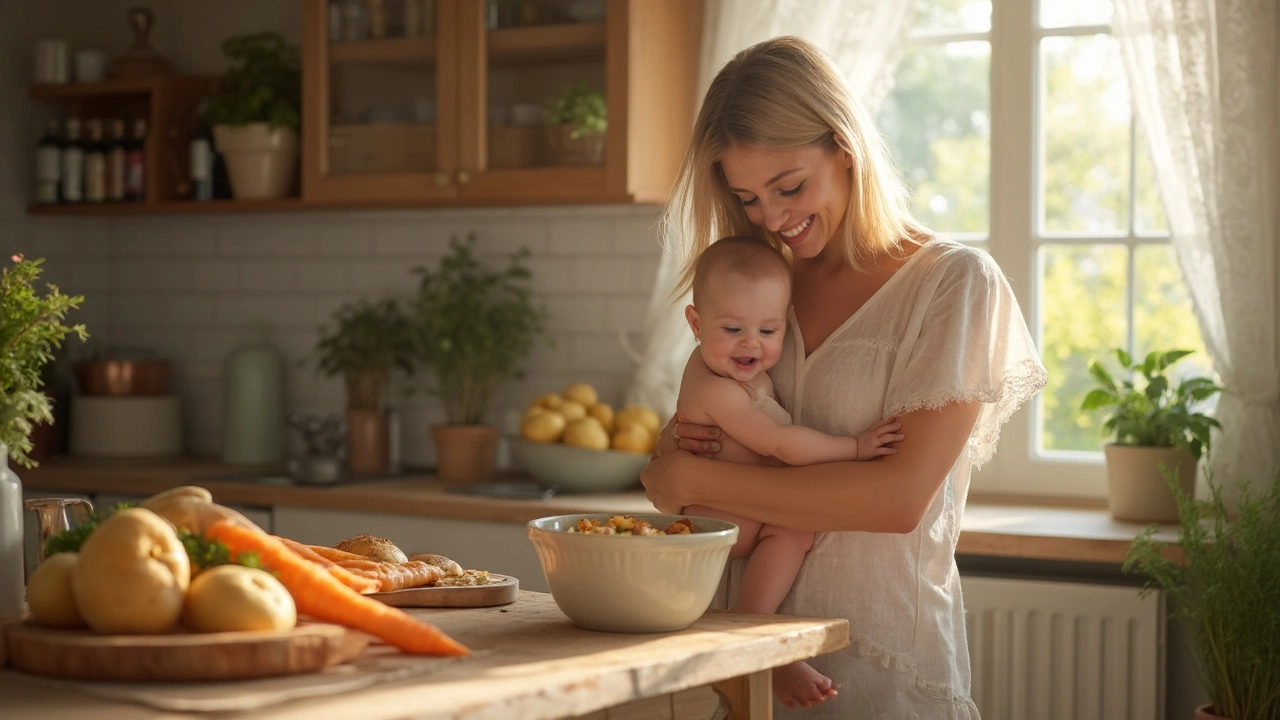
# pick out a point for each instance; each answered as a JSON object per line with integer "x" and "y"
{"x": 85, "y": 655}
{"x": 499, "y": 593}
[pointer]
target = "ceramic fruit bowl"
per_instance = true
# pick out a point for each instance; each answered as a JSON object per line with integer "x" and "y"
{"x": 574, "y": 469}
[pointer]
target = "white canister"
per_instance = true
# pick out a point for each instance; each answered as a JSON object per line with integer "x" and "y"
{"x": 91, "y": 66}
{"x": 51, "y": 64}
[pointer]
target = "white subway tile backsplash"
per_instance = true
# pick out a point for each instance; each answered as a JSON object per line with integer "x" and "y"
{"x": 321, "y": 275}
{"x": 575, "y": 313}
{"x": 582, "y": 236}
{"x": 158, "y": 275}
{"x": 276, "y": 310}
{"x": 603, "y": 275}
{"x": 635, "y": 236}
{"x": 215, "y": 275}
{"x": 152, "y": 309}
{"x": 384, "y": 277}
{"x": 266, "y": 240}
{"x": 164, "y": 237}
{"x": 268, "y": 275}
{"x": 598, "y": 352}
{"x": 627, "y": 312}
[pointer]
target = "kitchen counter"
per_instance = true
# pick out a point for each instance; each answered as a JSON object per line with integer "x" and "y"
{"x": 530, "y": 663}
{"x": 995, "y": 529}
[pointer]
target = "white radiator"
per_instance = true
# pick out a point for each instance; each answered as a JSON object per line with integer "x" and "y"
{"x": 1064, "y": 651}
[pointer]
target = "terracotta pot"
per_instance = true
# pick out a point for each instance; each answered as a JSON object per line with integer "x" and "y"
{"x": 568, "y": 150}
{"x": 1136, "y": 487}
{"x": 368, "y": 442}
{"x": 465, "y": 453}
{"x": 261, "y": 161}
{"x": 1205, "y": 712}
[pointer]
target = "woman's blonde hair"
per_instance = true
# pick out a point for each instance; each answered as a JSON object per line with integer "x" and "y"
{"x": 784, "y": 94}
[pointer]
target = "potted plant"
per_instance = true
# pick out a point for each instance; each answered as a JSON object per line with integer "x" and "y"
{"x": 31, "y": 328}
{"x": 1223, "y": 581}
{"x": 576, "y": 123}
{"x": 1154, "y": 426}
{"x": 475, "y": 327}
{"x": 365, "y": 343}
{"x": 256, "y": 116}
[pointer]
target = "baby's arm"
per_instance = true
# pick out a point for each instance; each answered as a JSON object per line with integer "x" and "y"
{"x": 732, "y": 410}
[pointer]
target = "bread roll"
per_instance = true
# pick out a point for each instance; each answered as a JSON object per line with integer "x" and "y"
{"x": 450, "y": 568}
{"x": 373, "y": 547}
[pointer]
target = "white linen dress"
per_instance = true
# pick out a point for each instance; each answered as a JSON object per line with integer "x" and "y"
{"x": 944, "y": 328}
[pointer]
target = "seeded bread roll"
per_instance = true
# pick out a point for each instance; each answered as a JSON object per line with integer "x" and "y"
{"x": 375, "y": 548}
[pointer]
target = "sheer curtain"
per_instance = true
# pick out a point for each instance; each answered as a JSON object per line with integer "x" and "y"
{"x": 1204, "y": 80}
{"x": 864, "y": 37}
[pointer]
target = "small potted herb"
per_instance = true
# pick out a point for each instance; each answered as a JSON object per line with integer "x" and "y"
{"x": 365, "y": 343}
{"x": 474, "y": 328}
{"x": 1154, "y": 425}
{"x": 256, "y": 117}
{"x": 576, "y": 124}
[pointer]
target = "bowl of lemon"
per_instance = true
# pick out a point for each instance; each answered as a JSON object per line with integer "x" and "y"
{"x": 572, "y": 442}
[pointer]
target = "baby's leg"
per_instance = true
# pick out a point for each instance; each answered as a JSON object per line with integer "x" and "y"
{"x": 748, "y": 530}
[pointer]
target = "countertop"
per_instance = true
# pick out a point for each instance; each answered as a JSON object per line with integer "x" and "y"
{"x": 530, "y": 662}
{"x": 990, "y": 528}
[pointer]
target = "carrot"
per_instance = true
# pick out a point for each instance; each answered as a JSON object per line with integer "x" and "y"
{"x": 324, "y": 597}
{"x": 361, "y": 584}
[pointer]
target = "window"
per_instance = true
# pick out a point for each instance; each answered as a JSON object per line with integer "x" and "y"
{"x": 1011, "y": 124}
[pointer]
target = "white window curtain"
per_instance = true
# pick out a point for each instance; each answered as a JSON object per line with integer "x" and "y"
{"x": 1203, "y": 75}
{"x": 864, "y": 38}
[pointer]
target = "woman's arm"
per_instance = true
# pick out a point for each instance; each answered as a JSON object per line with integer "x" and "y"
{"x": 891, "y": 494}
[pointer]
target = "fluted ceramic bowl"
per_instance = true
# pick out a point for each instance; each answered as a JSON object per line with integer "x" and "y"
{"x": 574, "y": 469}
{"x": 632, "y": 583}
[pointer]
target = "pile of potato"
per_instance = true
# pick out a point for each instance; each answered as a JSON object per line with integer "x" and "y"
{"x": 576, "y": 417}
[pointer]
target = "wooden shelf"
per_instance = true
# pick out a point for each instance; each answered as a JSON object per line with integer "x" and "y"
{"x": 575, "y": 42}
{"x": 106, "y": 88}
{"x": 170, "y": 207}
{"x": 414, "y": 51}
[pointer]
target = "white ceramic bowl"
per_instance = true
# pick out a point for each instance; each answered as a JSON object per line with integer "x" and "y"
{"x": 575, "y": 469}
{"x": 631, "y": 583}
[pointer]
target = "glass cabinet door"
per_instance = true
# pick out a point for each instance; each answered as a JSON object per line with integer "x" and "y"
{"x": 381, "y": 96}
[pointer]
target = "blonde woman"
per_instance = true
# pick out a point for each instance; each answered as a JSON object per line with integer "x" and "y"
{"x": 887, "y": 320}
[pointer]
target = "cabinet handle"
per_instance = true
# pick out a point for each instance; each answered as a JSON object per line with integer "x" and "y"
{"x": 464, "y": 177}
{"x": 442, "y": 178}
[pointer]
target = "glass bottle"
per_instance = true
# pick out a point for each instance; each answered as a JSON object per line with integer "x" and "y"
{"x": 355, "y": 21}
{"x": 73, "y": 164}
{"x": 201, "y": 157}
{"x": 95, "y": 165}
{"x": 117, "y": 161}
{"x": 49, "y": 165}
{"x": 12, "y": 552}
{"x": 135, "y": 173}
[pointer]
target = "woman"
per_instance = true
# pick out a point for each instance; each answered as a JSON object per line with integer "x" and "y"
{"x": 887, "y": 320}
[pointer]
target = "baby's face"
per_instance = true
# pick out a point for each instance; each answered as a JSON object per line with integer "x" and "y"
{"x": 740, "y": 324}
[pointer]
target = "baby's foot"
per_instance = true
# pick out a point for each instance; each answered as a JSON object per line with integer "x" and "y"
{"x": 799, "y": 685}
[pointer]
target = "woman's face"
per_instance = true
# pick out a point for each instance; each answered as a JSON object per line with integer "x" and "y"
{"x": 799, "y": 195}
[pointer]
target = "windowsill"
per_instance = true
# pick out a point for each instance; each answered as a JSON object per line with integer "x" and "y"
{"x": 1048, "y": 529}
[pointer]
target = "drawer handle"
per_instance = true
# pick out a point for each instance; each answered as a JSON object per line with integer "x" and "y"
{"x": 464, "y": 177}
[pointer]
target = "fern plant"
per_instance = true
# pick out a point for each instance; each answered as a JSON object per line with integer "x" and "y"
{"x": 31, "y": 329}
{"x": 1145, "y": 409}
{"x": 1225, "y": 588}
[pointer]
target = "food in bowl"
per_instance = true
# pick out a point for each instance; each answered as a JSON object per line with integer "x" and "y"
{"x": 617, "y": 582}
{"x": 630, "y": 525}
{"x": 577, "y": 417}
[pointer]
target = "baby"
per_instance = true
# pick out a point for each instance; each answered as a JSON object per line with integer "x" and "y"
{"x": 741, "y": 296}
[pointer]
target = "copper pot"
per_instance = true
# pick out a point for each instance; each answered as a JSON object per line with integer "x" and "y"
{"x": 123, "y": 377}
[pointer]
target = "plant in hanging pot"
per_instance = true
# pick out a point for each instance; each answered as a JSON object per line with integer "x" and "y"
{"x": 32, "y": 327}
{"x": 1222, "y": 580}
{"x": 474, "y": 328}
{"x": 576, "y": 122}
{"x": 256, "y": 115}
{"x": 366, "y": 342}
{"x": 1154, "y": 426}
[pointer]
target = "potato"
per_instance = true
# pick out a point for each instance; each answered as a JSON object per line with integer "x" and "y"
{"x": 132, "y": 575}
{"x": 572, "y": 410}
{"x": 587, "y": 433}
{"x": 49, "y": 593}
{"x": 603, "y": 413}
{"x": 633, "y": 438}
{"x": 546, "y": 426}
{"x": 550, "y": 401}
{"x": 638, "y": 414}
{"x": 227, "y": 598}
{"x": 582, "y": 393}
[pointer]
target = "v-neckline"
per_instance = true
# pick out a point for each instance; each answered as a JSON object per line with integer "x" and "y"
{"x": 803, "y": 358}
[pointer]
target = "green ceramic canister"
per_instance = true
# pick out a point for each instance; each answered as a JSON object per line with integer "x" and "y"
{"x": 253, "y": 405}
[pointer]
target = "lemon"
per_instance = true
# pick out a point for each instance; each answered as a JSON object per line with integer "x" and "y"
{"x": 533, "y": 410}
{"x": 638, "y": 414}
{"x": 573, "y": 410}
{"x": 603, "y": 413}
{"x": 550, "y": 401}
{"x": 581, "y": 392}
{"x": 633, "y": 438}
{"x": 586, "y": 432}
{"x": 546, "y": 426}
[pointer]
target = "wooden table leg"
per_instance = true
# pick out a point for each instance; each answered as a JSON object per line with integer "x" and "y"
{"x": 749, "y": 697}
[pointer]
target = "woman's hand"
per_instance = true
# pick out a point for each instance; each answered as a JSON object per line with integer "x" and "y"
{"x": 662, "y": 481}
{"x": 701, "y": 440}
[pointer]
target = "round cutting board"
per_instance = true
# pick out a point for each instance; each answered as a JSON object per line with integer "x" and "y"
{"x": 85, "y": 655}
{"x": 506, "y": 590}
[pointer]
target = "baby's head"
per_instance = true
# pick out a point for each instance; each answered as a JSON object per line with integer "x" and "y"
{"x": 741, "y": 294}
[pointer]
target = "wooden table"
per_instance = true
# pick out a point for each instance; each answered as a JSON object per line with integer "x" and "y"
{"x": 531, "y": 664}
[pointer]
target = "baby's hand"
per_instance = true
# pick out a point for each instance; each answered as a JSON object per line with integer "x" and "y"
{"x": 875, "y": 441}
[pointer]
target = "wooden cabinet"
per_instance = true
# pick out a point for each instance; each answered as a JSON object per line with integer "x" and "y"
{"x": 449, "y": 112}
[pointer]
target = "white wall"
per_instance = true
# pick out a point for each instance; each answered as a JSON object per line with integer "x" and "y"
{"x": 192, "y": 287}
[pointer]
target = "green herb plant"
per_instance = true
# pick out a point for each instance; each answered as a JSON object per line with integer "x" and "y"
{"x": 264, "y": 83}
{"x": 71, "y": 540}
{"x": 365, "y": 343}
{"x": 32, "y": 328}
{"x": 578, "y": 105}
{"x": 474, "y": 328}
{"x": 1225, "y": 588}
{"x": 1145, "y": 409}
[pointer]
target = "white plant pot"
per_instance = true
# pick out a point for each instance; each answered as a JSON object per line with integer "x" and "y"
{"x": 261, "y": 162}
{"x": 1136, "y": 487}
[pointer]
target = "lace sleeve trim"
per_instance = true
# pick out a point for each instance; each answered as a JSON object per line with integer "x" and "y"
{"x": 1022, "y": 382}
